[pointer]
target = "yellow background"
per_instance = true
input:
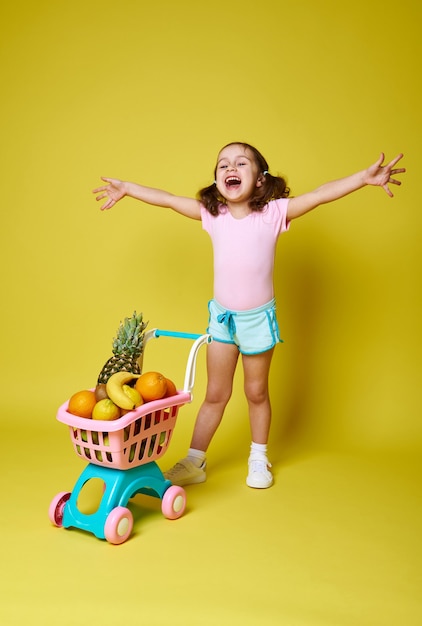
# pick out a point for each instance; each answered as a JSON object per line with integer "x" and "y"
{"x": 150, "y": 92}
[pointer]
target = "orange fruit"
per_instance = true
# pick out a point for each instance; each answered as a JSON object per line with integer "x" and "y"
{"x": 82, "y": 403}
{"x": 151, "y": 386}
{"x": 171, "y": 388}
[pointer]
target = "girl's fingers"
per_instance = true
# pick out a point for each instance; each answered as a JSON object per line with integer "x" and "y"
{"x": 395, "y": 160}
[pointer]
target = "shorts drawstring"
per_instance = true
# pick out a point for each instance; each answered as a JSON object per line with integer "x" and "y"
{"x": 228, "y": 318}
{"x": 253, "y": 331}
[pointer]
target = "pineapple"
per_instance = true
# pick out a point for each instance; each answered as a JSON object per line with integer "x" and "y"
{"x": 128, "y": 346}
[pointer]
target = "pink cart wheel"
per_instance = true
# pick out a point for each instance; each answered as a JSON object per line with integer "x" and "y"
{"x": 56, "y": 509}
{"x": 174, "y": 502}
{"x": 119, "y": 524}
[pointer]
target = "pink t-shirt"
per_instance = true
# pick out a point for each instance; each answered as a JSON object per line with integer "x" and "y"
{"x": 244, "y": 253}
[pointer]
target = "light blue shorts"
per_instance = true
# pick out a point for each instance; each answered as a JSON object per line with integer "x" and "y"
{"x": 253, "y": 331}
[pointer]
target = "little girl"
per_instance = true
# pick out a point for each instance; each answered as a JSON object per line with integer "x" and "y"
{"x": 244, "y": 211}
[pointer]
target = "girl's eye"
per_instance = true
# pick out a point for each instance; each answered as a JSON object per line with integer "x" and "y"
{"x": 242, "y": 163}
{"x": 223, "y": 167}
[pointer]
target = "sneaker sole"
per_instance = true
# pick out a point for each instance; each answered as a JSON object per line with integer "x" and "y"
{"x": 195, "y": 480}
{"x": 254, "y": 485}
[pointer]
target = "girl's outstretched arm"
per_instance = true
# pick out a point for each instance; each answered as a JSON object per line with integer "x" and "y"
{"x": 116, "y": 189}
{"x": 377, "y": 174}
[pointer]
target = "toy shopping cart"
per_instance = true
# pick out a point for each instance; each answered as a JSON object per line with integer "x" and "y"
{"x": 123, "y": 454}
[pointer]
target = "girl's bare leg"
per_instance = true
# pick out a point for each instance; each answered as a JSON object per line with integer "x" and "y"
{"x": 221, "y": 365}
{"x": 256, "y": 370}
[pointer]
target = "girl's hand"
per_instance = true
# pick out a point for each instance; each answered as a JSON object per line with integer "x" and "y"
{"x": 381, "y": 175}
{"x": 113, "y": 191}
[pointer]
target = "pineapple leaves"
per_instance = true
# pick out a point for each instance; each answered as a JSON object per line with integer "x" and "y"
{"x": 127, "y": 347}
{"x": 130, "y": 335}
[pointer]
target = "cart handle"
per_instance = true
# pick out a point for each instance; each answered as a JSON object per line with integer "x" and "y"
{"x": 172, "y": 333}
{"x": 199, "y": 340}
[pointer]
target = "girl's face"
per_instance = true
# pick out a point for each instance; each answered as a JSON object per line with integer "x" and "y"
{"x": 237, "y": 174}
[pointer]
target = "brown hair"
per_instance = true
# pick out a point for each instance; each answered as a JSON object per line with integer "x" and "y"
{"x": 273, "y": 187}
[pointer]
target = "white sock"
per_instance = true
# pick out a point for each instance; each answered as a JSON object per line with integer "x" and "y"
{"x": 259, "y": 448}
{"x": 196, "y": 456}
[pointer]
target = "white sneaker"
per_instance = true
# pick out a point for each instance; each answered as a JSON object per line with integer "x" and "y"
{"x": 259, "y": 476}
{"x": 186, "y": 473}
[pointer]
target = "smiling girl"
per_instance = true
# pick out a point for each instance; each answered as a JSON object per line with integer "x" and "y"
{"x": 244, "y": 211}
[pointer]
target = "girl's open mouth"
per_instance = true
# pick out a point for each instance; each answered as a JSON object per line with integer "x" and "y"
{"x": 232, "y": 181}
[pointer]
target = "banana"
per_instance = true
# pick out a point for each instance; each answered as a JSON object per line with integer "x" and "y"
{"x": 116, "y": 392}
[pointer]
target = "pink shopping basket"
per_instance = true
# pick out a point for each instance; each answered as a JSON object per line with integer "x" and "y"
{"x": 140, "y": 436}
